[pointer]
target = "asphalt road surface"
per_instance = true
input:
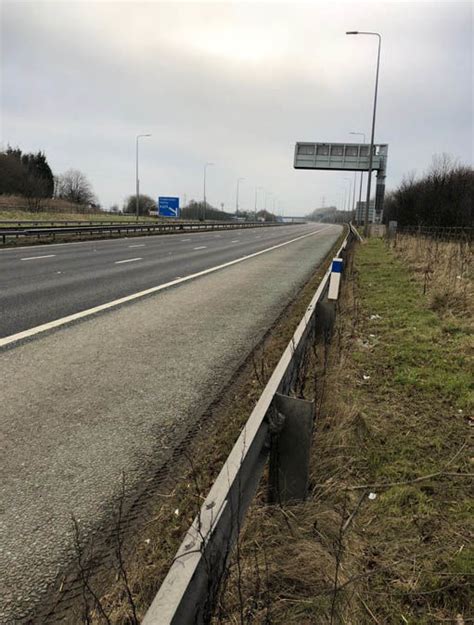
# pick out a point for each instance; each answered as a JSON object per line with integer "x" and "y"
{"x": 39, "y": 284}
{"x": 115, "y": 393}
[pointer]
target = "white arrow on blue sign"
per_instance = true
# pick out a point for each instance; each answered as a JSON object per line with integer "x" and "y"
{"x": 168, "y": 206}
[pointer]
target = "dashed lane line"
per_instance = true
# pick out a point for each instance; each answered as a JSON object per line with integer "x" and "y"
{"x": 134, "y": 296}
{"x": 38, "y": 257}
{"x": 127, "y": 260}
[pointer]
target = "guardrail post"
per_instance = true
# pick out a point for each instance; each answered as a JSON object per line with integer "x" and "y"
{"x": 335, "y": 279}
{"x": 292, "y": 425}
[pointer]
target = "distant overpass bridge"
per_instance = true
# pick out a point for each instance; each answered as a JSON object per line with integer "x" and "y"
{"x": 293, "y": 220}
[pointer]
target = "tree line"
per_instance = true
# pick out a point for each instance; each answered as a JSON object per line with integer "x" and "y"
{"x": 330, "y": 214}
{"x": 29, "y": 175}
{"x": 25, "y": 174}
{"x": 443, "y": 197}
{"x": 193, "y": 210}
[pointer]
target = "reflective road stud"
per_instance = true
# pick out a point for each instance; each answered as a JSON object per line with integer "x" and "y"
{"x": 335, "y": 279}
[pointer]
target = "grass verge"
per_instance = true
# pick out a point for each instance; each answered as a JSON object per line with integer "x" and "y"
{"x": 385, "y": 536}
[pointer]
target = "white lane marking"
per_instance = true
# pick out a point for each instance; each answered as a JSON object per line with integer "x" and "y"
{"x": 185, "y": 240}
{"x": 155, "y": 289}
{"x": 117, "y": 240}
{"x": 201, "y": 247}
{"x": 36, "y": 257}
{"x": 139, "y": 245}
{"x": 128, "y": 260}
{"x": 236, "y": 241}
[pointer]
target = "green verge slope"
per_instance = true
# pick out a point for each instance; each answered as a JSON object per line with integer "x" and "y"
{"x": 385, "y": 536}
{"x": 413, "y": 382}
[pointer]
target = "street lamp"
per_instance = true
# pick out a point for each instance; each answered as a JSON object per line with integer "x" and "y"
{"x": 343, "y": 195}
{"x": 137, "y": 182}
{"x": 360, "y": 32}
{"x": 361, "y": 134}
{"x": 266, "y": 195}
{"x": 341, "y": 199}
{"x": 203, "y": 212}
{"x": 349, "y": 196}
{"x": 257, "y": 189}
{"x": 239, "y": 180}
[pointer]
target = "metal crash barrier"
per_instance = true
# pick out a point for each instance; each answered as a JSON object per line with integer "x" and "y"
{"x": 279, "y": 424}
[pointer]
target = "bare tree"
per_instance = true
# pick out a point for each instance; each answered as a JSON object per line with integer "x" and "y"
{"x": 442, "y": 197}
{"x": 35, "y": 190}
{"x": 145, "y": 204}
{"x": 74, "y": 186}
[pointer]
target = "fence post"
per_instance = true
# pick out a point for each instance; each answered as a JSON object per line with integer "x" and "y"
{"x": 291, "y": 425}
{"x": 335, "y": 279}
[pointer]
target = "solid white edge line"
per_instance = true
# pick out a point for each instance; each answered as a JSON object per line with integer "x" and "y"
{"x": 155, "y": 289}
{"x": 127, "y": 260}
{"x": 37, "y": 257}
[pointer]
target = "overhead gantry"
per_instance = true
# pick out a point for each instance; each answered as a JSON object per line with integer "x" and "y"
{"x": 345, "y": 157}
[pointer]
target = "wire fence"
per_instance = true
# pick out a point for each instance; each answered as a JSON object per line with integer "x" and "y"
{"x": 436, "y": 232}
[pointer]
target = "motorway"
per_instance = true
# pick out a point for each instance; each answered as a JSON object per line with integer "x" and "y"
{"x": 115, "y": 393}
{"x": 39, "y": 284}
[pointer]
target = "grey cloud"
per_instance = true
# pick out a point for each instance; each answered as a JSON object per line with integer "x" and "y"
{"x": 80, "y": 82}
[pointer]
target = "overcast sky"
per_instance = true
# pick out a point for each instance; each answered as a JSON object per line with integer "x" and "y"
{"x": 236, "y": 84}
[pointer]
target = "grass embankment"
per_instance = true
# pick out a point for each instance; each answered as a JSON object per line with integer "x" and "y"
{"x": 385, "y": 535}
{"x": 18, "y": 208}
{"x": 48, "y": 216}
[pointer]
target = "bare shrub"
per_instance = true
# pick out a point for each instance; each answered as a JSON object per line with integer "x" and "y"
{"x": 444, "y": 267}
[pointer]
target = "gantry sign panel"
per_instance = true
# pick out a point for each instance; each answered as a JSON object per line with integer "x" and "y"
{"x": 339, "y": 156}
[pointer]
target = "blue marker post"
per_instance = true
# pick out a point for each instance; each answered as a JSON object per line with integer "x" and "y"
{"x": 335, "y": 278}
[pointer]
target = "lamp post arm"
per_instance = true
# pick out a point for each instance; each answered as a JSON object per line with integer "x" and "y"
{"x": 136, "y": 177}
{"x": 369, "y": 178}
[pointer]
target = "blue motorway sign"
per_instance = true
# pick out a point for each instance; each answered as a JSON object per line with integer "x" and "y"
{"x": 168, "y": 206}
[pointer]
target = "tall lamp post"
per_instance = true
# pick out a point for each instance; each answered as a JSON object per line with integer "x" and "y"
{"x": 349, "y": 196}
{"x": 340, "y": 200}
{"x": 203, "y": 213}
{"x": 267, "y": 193}
{"x": 361, "y": 134}
{"x": 257, "y": 189}
{"x": 239, "y": 180}
{"x": 343, "y": 195}
{"x": 137, "y": 182}
{"x": 367, "y": 204}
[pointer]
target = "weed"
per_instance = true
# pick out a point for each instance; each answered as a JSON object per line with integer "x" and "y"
{"x": 392, "y": 425}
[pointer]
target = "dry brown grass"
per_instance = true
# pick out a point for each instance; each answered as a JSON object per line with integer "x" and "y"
{"x": 11, "y": 205}
{"x": 444, "y": 268}
{"x": 403, "y": 557}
